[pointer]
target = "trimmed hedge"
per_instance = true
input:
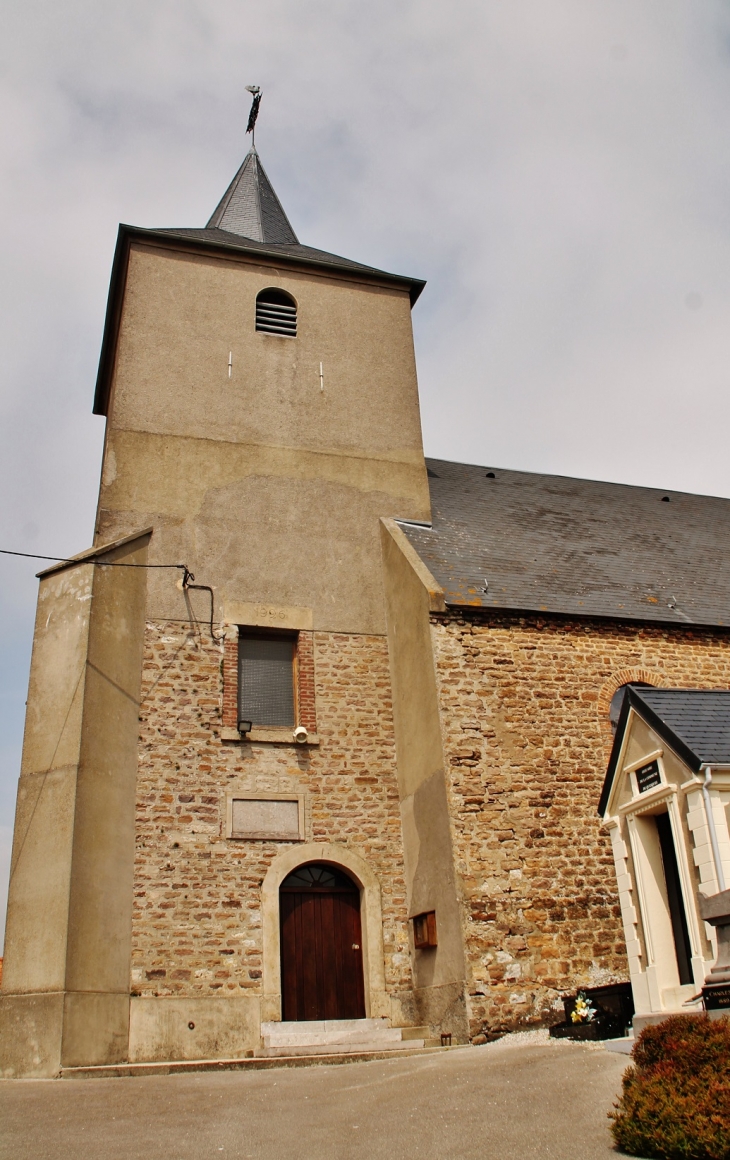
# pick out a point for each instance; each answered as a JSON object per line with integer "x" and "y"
{"x": 675, "y": 1103}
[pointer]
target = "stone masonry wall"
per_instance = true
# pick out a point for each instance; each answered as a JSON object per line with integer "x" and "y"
{"x": 197, "y": 918}
{"x": 524, "y": 704}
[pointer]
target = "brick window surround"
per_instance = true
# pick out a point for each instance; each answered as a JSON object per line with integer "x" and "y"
{"x": 303, "y": 680}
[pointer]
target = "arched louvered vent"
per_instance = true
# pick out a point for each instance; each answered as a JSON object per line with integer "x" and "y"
{"x": 276, "y": 313}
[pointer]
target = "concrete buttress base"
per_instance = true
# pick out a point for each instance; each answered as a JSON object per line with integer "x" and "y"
{"x": 31, "y": 1033}
{"x": 222, "y": 1028}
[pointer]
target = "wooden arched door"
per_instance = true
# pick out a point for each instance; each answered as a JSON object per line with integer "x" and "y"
{"x": 321, "y": 945}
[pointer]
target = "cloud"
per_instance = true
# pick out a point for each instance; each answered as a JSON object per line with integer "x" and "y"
{"x": 558, "y": 172}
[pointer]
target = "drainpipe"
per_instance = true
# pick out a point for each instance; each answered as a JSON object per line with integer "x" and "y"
{"x": 711, "y": 826}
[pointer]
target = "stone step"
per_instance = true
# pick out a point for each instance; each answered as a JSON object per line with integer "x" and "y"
{"x": 330, "y": 1032}
{"x": 255, "y": 1063}
{"x": 358, "y": 1047}
{"x": 623, "y": 1046}
{"x": 415, "y": 1032}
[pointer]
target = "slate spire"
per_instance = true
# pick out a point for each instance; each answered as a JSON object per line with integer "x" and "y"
{"x": 250, "y": 208}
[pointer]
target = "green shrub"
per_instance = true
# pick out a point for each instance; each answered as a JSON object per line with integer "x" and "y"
{"x": 675, "y": 1103}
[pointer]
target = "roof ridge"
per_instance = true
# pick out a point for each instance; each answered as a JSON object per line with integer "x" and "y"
{"x": 295, "y": 250}
{"x": 672, "y": 491}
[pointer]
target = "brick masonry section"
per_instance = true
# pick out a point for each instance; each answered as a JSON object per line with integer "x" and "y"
{"x": 230, "y": 683}
{"x": 524, "y": 703}
{"x": 305, "y": 689}
{"x": 306, "y": 714}
{"x": 197, "y": 916}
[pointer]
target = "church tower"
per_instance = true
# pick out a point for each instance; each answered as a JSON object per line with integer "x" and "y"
{"x": 262, "y": 411}
{"x": 209, "y": 772}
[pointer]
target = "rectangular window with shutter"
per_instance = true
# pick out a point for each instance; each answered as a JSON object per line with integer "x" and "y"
{"x": 266, "y": 675}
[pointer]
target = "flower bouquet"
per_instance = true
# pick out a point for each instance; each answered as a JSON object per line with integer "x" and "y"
{"x": 583, "y": 1010}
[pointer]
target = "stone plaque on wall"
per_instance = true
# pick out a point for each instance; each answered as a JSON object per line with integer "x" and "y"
{"x": 266, "y": 818}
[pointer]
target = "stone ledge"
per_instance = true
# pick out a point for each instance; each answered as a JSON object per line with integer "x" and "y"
{"x": 257, "y": 1063}
{"x": 270, "y": 736}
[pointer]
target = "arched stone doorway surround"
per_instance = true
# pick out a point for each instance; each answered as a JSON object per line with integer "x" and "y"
{"x": 377, "y": 1001}
{"x": 615, "y": 681}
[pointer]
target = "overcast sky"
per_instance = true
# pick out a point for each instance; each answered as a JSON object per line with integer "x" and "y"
{"x": 558, "y": 170}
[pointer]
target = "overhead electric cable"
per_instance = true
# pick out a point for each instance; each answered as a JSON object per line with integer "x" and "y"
{"x": 106, "y": 563}
{"x": 188, "y": 580}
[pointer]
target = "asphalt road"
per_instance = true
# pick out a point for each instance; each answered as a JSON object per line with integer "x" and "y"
{"x": 512, "y": 1099}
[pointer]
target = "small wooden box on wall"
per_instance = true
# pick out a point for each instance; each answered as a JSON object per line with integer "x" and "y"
{"x": 424, "y": 930}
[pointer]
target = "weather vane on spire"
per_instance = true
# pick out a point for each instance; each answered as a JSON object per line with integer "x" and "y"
{"x": 256, "y": 93}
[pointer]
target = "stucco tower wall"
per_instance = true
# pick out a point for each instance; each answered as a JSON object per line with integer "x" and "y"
{"x": 411, "y": 595}
{"x": 268, "y": 486}
{"x": 65, "y": 993}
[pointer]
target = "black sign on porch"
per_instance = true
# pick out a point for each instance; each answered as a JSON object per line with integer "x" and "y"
{"x": 648, "y": 776}
{"x": 716, "y": 997}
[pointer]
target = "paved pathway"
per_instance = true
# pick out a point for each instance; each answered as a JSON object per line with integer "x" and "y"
{"x": 512, "y": 1100}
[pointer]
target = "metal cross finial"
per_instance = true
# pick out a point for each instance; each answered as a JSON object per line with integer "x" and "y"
{"x": 256, "y": 93}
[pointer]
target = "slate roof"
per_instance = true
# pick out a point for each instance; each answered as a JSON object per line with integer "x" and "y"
{"x": 251, "y": 208}
{"x": 292, "y": 252}
{"x": 695, "y": 723}
{"x": 548, "y": 543}
{"x": 251, "y": 219}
